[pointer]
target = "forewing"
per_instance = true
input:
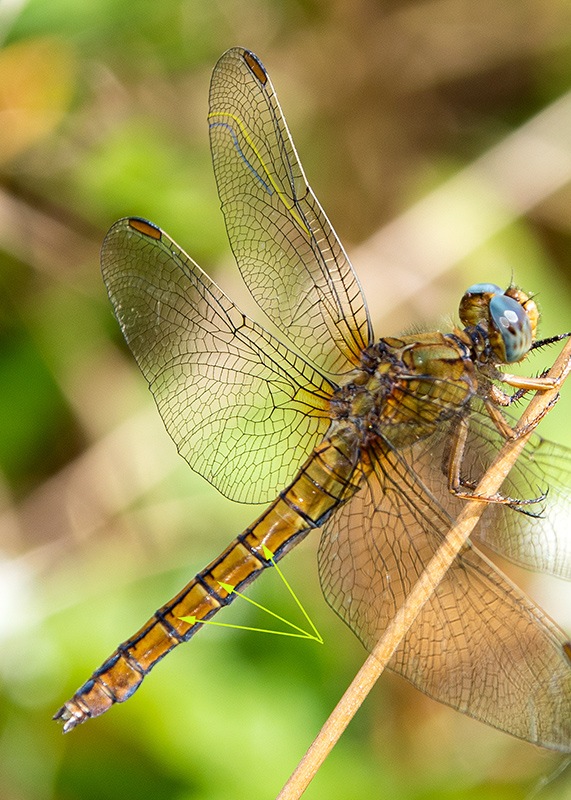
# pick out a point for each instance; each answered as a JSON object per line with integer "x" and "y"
{"x": 286, "y": 249}
{"x": 241, "y": 408}
{"x": 479, "y": 644}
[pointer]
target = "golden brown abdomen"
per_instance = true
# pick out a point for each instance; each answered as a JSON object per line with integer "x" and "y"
{"x": 330, "y": 475}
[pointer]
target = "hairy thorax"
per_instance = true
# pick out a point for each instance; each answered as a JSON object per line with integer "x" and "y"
{"x": 406, "y": 387}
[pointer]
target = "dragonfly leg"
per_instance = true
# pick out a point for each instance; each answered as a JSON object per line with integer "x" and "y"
{"x": 502, "y": 425}
{"x": 542, "y": 383}
{"x": 497, "y": 398}
{"x": 502, "y": 399}
{"x": 460, "y": 487}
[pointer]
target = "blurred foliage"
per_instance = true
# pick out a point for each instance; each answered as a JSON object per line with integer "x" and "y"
{"x": 102, "y": 114}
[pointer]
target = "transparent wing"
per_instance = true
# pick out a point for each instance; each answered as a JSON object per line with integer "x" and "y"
{"x": 479, "y": 644}
{"x": 241, "y": 408}
{"x": 541, "y": 542}
{"x": 539, "y": 539}
{"x": 286, "y": 249}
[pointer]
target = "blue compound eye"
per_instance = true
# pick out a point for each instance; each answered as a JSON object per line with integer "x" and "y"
{"x": 474, "y": 305}
{"x": 484, "y": 288}
{"x": 513, "y": 326}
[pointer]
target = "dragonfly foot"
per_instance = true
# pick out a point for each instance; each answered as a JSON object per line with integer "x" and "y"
{"x": 466, "y": 491}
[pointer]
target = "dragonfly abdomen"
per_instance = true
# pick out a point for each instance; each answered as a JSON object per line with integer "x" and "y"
{"x": 329, "y": 476}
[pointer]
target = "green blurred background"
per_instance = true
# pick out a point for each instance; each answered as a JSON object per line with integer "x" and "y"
{"x": 437, "y": 136}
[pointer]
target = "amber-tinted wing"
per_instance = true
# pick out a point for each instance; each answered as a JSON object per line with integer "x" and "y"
{"x": 287, "y": 251}
{"x": 479, "y": 645}
{"x": 241, "y": 408}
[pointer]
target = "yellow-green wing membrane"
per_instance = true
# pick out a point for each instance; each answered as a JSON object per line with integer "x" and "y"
{"x": 241, "y": 408}
{"x": 479, "y": 644}
{"x": 288, "y": 253}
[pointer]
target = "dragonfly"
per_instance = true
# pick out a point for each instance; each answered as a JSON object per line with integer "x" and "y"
{"x": 377, "y": 443}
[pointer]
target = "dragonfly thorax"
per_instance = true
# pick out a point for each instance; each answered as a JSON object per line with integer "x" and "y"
{"x": 407, "y": 386}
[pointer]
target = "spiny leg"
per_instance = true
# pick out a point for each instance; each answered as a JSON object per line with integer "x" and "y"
{"x": 459, "y": 486}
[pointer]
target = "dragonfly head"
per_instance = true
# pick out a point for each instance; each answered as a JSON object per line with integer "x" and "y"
{"x": 509, "y": 319}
